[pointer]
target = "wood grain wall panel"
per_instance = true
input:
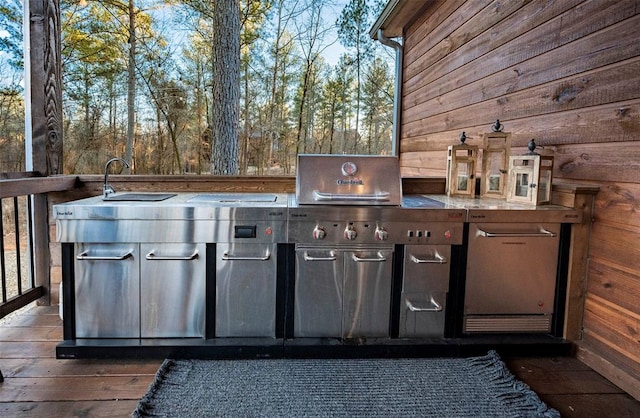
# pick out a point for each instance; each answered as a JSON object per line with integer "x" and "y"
{"x": 537, "y": 31}
{"x": 557, "y": 79}
{"x": 566, "y": 73}
{"x": 620, "y": 287}
{"x": 433, "y": 16}
{"x": 618, "y": 203}
{"x": 505, "y": 93}
{"x": 601, "y": 346}
{"x": 583, "y": 141}
{"x": 617, "y": 328}
{"x": 617, "y": 243}
{"x": 612, "y": 161}
{"x": 477, "y": 51}
{"x": 423, "y": 164}
{"x": 468, "y": 22}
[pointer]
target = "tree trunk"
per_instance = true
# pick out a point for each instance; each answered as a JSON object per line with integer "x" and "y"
{"x": 131, "y": 87}
{"x": 226, "y": 87}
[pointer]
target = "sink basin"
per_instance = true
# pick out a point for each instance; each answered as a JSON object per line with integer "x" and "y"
{"x": 138, "y": 197}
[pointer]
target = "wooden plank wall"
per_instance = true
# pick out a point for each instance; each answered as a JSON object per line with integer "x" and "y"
{"x": 566, "y": 73}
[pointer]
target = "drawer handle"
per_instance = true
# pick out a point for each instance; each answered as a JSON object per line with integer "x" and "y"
{"x": 542, "y": 233}
{"x": 379, "y": 258}
{"x": 331, "y": 257}
{"x": 83, "y": 256}
{"x": 436, "y": 307}
{"x": 437, "y": 259}
{"x": 152, "y": 256}
{"x": 231, "y": 257}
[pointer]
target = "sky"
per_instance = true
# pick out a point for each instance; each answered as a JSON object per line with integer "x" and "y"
{"x": 331, "y": 14}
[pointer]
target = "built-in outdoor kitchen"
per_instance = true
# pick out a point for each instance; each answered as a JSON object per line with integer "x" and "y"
{"x": 349, "y": 265}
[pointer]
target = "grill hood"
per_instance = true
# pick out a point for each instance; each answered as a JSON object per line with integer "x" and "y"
{"x": 348, "y": 180}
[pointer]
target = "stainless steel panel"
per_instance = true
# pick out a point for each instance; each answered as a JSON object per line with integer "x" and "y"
{"x": 367, "y": 293}
{"x": 158, "y": 230}
{"x": 348, "y": 180}
{"x": 407, "y": 231}
{"x": 172, "y": 290}
{"x": 424, "y": 290}
{"x": 318, "y": 292}
{"x": 511, "y": 269}
{"x": 184, "y": 206}
{"x": 508, "y": 323}
{"x": 245, "y": 290}
{"x": 493, "y": 210}
{"x": 107, "y": 291}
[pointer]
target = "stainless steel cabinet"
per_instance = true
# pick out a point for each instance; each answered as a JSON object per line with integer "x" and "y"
{"x": 172, "y": 290}
{"x": 132, "y": 290}
{"x": 318, "y": 293}
{"x": 511, "y": 277}
{"x": 424, "y": 290}
{"x": 245, "y": 290}
{"x": 107, "y": 291}
{"x": 367, "y": 293}
{"x": 342, "y": 292}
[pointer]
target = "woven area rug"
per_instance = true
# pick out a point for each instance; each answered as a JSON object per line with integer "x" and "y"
{"x": 437, "y": 387}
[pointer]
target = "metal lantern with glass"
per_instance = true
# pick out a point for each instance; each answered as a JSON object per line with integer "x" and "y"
{"x": 495, "y": 161}
{"x": 461, "y": 169}
{"x": 530, "y": 177}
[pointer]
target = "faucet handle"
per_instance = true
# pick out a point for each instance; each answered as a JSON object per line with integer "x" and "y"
{"x": 107, "y": 189}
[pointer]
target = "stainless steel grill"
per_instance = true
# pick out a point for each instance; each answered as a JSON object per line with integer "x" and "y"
{"x": 349, "y": 223}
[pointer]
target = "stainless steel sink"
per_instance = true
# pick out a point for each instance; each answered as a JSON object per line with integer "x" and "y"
{"x": 138, "y": 197}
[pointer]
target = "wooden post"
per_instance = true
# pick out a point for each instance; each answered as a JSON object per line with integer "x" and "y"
{"x": 46, "y": 121}
{"x": 580, "y": 197}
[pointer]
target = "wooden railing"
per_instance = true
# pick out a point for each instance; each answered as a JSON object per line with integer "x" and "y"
{"x": 24, "y": 261}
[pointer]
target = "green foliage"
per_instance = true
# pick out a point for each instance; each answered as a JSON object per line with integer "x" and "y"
{"x": 353, "y": 25}
{"x": 291, "y": 100}
{"x": 11, "y": 41}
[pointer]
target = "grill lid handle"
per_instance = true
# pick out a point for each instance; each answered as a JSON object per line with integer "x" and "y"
{"x": 373, "y": 197}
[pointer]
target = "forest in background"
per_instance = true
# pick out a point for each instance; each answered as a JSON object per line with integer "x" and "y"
{"x": 137, "y": 73}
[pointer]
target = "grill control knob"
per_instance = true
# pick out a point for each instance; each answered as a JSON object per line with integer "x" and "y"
{"x": 319, "y": 233}
{"x": 350, "y": 233}
{"x": 381, "y": 234}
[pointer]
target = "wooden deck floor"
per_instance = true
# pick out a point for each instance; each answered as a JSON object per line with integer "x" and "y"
{"x": 38, "y": 385}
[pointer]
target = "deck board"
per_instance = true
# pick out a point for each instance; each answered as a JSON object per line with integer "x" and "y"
{"x": 37, "y": 384}
{"x": 120, "y": 408}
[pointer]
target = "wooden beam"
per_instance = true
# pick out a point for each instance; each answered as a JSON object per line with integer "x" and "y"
{"x": 46, "y": 86}
{"x": 36, "y": 185}
{"x": 580, "y": 197}
{"x": 19, "y": 301}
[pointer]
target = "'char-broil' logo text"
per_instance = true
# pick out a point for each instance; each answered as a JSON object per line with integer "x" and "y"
{"x": 350, "y": 182}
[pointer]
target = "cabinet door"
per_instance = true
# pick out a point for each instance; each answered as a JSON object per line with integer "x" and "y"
{"x": 107, "y": 291}
{"x": 511, "y": 268}
{"x": 318, "y": 293}
{"x": 172, "y": 290}
{"x": 367, "y": 293}
{"x": 246, "y": 290}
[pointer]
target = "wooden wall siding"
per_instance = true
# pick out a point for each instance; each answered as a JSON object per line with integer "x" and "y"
{"x": 566, "y": 73}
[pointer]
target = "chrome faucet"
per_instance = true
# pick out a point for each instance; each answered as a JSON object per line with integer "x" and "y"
{"x": 107, "y": 189}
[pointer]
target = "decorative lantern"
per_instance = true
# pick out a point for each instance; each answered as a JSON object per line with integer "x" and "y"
{"x": 495, "y": 162}
{"x": 461, "y": 169}
{"x": 530, "y": 177}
